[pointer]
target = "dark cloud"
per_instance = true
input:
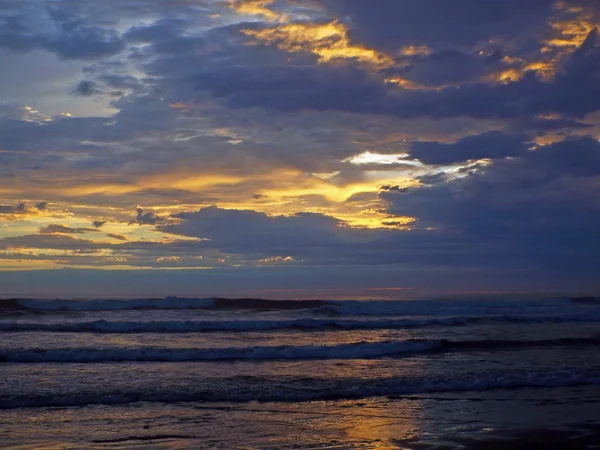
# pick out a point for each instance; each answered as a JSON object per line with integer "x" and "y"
{"x": 542, "y": 125}
{"x": 50, "y": 241}
{"x": 539, "y": 208}
{"x": 434, "y": 178}
{"x": 58, "y": 228}
{"x": 307, "y": 238}
{"x": 165, "y": 32}
{"x": 84, "y": 42}
{"x": 261, "y": 233}
{"x": 390, "y": 24}
{"x": 291, "y": 88}
{"x": 21, "y": 208}
{"x": 446, "y": 67}
{"x": 572, "y": 157}
{"x": 98, "y": 223}
{"x": 119, "y": 237}
{"x": 121, "y": 81}
{"x": 490, "y": 145}
{"x": 76, "y": 38}
{"x": 146, "y": 218}
{"x": 86, "y": 88}
{"x": 391, "y": 188}
{"x": 393, "y": 223}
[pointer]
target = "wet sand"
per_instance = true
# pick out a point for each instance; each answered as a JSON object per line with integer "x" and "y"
{"x": 576, "y": 437}
{"x": 511, "y": 420}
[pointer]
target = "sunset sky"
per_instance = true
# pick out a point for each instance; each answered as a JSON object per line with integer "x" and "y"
{"x": 299, "y": 148}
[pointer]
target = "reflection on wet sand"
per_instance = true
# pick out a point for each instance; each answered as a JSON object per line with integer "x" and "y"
{"x": 433, "y": 422}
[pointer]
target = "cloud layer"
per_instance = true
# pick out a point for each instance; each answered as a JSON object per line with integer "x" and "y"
{"x": 427, "y": 140}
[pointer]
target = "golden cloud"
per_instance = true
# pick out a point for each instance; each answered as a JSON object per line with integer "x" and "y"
{"x": 330, "y": 42}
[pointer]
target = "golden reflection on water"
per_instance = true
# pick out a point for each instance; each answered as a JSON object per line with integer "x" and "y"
{"x": 372, "y": 420}
{"x": 385, "y": 431}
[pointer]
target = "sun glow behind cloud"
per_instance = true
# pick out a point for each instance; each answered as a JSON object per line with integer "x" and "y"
{"x": 376, "y": 158}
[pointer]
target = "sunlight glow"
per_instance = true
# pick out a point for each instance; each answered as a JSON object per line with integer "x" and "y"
{"x": 376, "y": 158}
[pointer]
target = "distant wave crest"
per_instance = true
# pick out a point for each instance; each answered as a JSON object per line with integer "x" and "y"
{"x": 318, "y": 307}
{"x": 166, "y": 303}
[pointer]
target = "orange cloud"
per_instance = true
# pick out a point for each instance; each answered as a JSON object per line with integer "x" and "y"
{"x": 330, "y": 42}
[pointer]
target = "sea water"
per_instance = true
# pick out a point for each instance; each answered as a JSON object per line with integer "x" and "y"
{"x": 210, "y": 373}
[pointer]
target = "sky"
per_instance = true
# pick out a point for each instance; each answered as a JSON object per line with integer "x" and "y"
{"x": 299, "y": 149}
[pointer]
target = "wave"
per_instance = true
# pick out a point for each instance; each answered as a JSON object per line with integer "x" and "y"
{"x": 359, "y": 350}
{"x": 319, "y": 307}
{"x": 457, "y": 307}
{"x": 243, "y": 389}
{"x": 168, "y": 303}
{"x": 104, "y": 326}
{"x": 149, "y": 354}
{"x": 104, "y": 305}
{"x": 308, "y": 323}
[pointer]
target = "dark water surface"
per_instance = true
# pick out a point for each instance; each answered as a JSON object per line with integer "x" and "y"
{"x": 196, "y": 373}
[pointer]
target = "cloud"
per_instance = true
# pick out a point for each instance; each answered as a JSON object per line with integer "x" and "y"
{"x": 21, "y": 209}
{"x": 466, "y": 81}
{"x": 63, "y": 229}
{"x": 247, "y": 231}
{"x": 293, "y": 88}
{"x": 86, "y": 88}
{"x": 119, "y": 237}
{"x": 538, "y": 208}
{"x": 85, "y": 42}
{"x": 434, "y": 178}
{"x": 148, "y": 218}
{"x": 335, "y": 121}
{"x": 72, "y": 37}
{"x": 387, "y": 24}
{"x": 490, "y": 145}
{"x": 17, "y": 209}
{"x": 391, "y": 188}
{"x": 50, "y": 241}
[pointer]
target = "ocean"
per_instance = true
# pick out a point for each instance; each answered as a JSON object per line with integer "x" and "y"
{"x": 251, "y": 374}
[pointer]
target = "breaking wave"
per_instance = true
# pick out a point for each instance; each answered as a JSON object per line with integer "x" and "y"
{"x": 156, "y": 303}
{"x": 307, "y": 323}
{"x": 312, "y": 389}
{"x": 359, "y": 350}
{"x": 319, "y": 307}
